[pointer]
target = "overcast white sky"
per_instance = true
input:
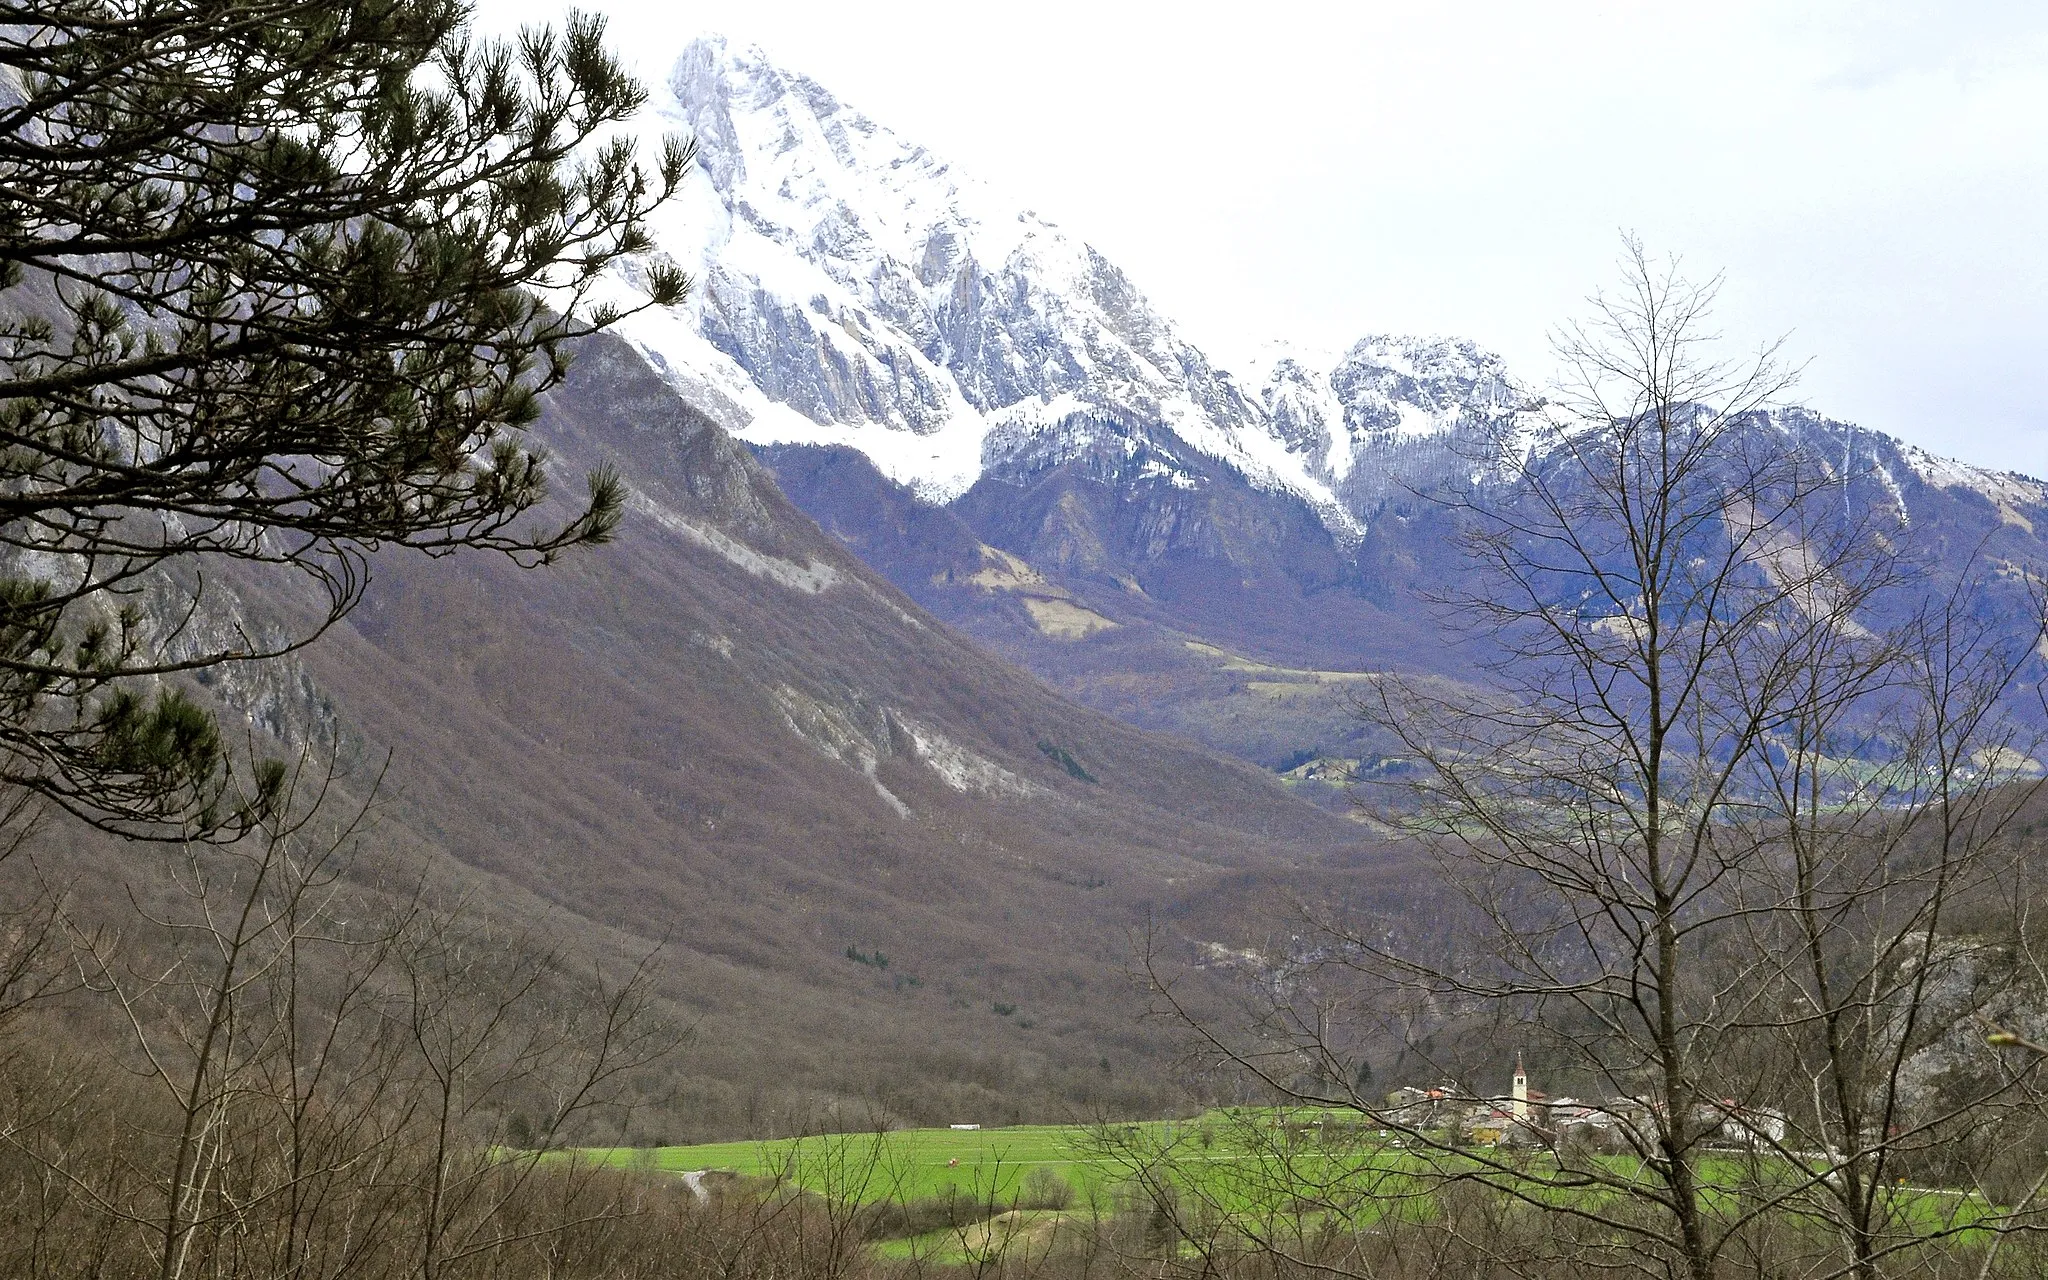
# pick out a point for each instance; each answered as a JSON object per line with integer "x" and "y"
{"x": 1871, "y": 176}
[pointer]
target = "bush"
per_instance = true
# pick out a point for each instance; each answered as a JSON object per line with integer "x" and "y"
{"x": 902, "y": 1219}
{"x": 1044, "y": 1188}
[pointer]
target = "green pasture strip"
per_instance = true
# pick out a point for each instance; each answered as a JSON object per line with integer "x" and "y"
{"x": 1266, "y": 1165}
{"x": 914, "y": 1163}
{"x": 902, "y": 1164}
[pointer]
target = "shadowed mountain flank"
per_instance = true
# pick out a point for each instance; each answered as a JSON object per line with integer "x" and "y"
{"x": 726, "y": 733}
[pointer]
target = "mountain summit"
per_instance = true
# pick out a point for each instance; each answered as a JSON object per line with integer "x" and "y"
{"x": 857, "y": 290}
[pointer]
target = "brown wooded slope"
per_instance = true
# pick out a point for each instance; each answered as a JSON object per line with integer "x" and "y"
{"x": 688, "y": 736}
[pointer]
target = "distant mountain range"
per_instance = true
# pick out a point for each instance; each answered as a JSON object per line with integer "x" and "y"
{"x": 990, "y": 412}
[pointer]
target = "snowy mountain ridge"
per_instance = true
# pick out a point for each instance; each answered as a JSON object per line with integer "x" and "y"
{"x": 854, "y": 289}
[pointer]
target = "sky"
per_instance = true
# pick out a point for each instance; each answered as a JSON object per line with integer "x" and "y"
{"x": 1870, "y": 177}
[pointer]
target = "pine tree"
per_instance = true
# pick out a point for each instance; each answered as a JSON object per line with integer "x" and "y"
{"x": 280, "y": 283}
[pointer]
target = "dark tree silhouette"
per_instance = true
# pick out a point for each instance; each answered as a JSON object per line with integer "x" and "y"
{"x": 280, "y": 282}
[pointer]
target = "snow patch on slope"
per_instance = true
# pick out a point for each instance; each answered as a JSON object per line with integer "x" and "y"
{"x": 956, "y": 766}
{"x": 2007, "y": 490}
{"x": 810, "y": 578}
{"x": 834, "y": 734}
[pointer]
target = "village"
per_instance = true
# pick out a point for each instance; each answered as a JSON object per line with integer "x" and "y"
{"x": 1529, "y": 1117}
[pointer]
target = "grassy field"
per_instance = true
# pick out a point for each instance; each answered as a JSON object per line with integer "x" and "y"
{"x": 1262, "y": 1165}
{"x": 903, "y": 1164}
{"x": 1238, "y": 1162}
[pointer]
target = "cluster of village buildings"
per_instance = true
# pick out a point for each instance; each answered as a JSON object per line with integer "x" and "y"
{"x": 1529, "y": 1117}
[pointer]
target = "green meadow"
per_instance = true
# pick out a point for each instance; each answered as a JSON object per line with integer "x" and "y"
{"x": 1271, "y": 1166}
{"x": 1259, "y": 1163}
{"x": 901, "y": 1164}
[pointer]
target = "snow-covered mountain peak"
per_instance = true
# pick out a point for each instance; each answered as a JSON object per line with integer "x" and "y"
{"x": 1386, "y": 404}
{"x": 856, "y": 289}
{"x": 1437, "y": 371}
{"x": 813, "y": 173}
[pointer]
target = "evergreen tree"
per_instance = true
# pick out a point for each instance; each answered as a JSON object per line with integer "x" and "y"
{"x": 280, "y": 282}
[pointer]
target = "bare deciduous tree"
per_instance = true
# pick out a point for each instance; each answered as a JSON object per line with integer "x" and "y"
{"x": 1713, "y": 824}
{"x": 324, "y": 1075}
